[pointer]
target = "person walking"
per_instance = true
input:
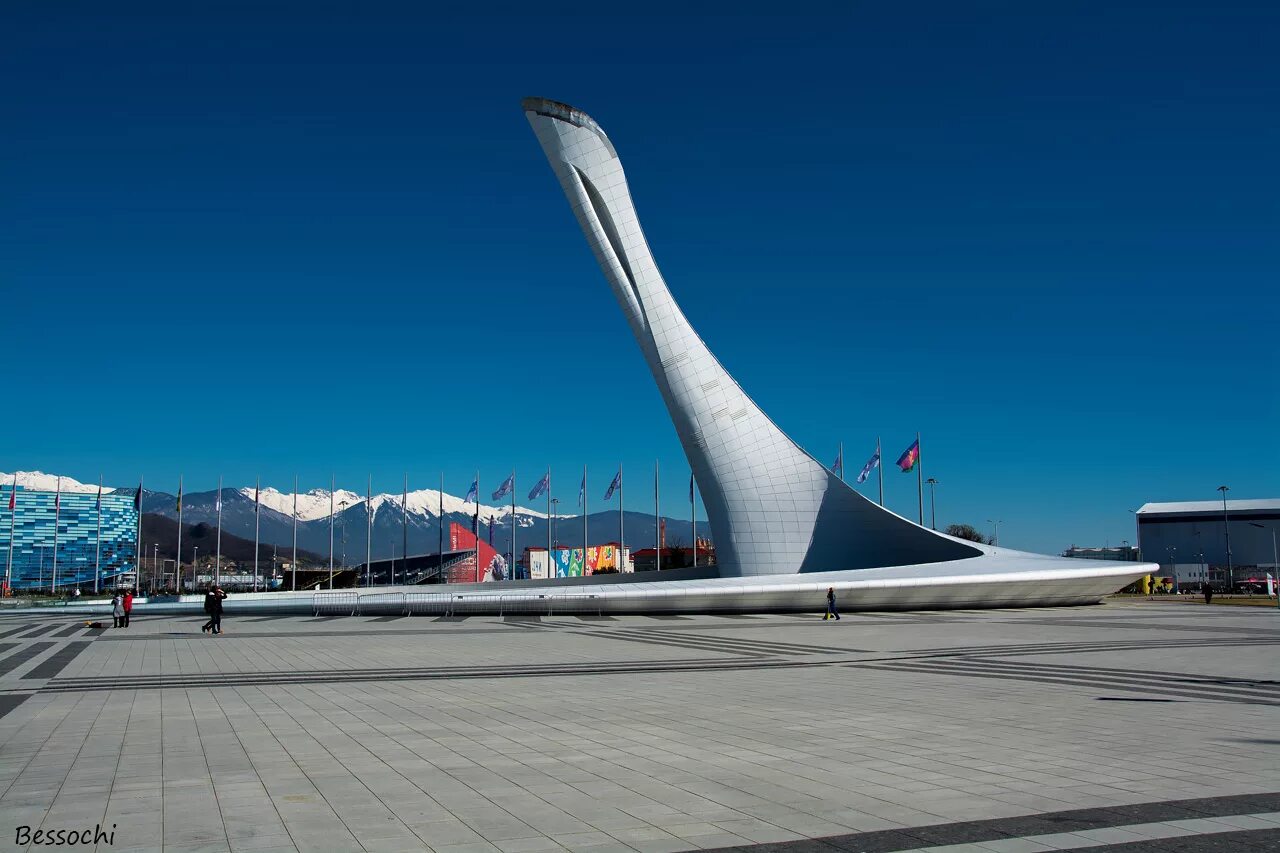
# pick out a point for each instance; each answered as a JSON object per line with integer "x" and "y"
{"x": 1208, "y": 593}
{"x": 117, "y": 610}
{"x": 214, "y": 603}
{"x": 128, "y": 606}
{"x": 831, "y": 605}
{"x": 208, "y": 609}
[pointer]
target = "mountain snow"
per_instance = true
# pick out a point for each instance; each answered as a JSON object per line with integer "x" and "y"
{"x": 38, "y": 481}
{"x": 312, "y": 505}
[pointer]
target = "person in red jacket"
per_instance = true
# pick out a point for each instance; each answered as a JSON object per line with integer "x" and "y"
{"x": 128, "y": 606}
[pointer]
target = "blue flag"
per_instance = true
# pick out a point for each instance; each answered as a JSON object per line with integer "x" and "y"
{"x": 872, "y": 464}
{"x": 582, "y": 490}
{"x": 616, "y": 484}
{"x": 473, "y": 493}
{"x": 838, "y": 467}
{"x": 506, "y": 488}
{"x": 691, "y": 488}
{"x": 541, "y": 487}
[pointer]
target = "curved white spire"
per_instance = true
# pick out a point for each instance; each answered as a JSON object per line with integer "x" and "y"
{"x": 773, "y": 508}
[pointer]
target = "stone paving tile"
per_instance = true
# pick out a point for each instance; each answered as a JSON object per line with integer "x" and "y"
{"x": 647, "y": 761}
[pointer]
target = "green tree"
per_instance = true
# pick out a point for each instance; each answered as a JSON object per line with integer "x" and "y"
{"x": 969, "y": 533}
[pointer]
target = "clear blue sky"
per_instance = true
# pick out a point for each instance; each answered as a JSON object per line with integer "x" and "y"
{"x": 274, "y": 238}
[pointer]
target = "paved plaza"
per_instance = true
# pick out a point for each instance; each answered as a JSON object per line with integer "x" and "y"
{"x": 1128, "y": 726}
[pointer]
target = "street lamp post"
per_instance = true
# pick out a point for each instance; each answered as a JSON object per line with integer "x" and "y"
{"x": 933, "y": 502}
{"x": 1226, "y": 529}
{"x": 1137, "y": 526}
{"x": 1275, "y": 564}
{"x": 995, "y": 530}
{"x": 155, "y": 564}
{"x": 195, "y": 566}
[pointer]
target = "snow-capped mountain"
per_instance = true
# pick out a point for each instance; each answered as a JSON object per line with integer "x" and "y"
{"x": 421, "y": 528}
{"x": 426, "y": 503}
{"x": 38, "y": 481}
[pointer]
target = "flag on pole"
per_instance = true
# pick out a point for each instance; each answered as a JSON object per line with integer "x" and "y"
{"x": 838, "y": 467}
{"x": 910, "y": 457}
{"x": 491, "y": 530}
{"x": 690, "y": 487}
{"x": 473, "y": 493}
{"x": 256, "y": 506}
{"x": 582, "y": 490}
{"x": 99, "y": 496}
{"x": 179, "y": 496}
{"x": 541, "y": 487}
{"x": 57, "y": 498}
{"x": 505, "y": 488}
{"x": 615, "y": 485}
{"x": 13, "y": 493}
{"x": 872, "y": 464}
{"x": 137, "y": 498}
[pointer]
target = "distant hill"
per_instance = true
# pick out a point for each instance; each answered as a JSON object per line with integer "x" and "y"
{"x": 158, "y": 530}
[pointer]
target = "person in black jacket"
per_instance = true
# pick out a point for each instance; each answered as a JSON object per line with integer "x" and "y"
{"x": 831, "y": 605}
{"x": 213, "y": 606}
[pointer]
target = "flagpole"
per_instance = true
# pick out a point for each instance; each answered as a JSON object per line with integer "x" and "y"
{"x": 693, "y": 511}
{"x": 549, "y": 525}
{"x": 368, "y": 533}
{"x": 657, "y": 522}
{"x": 440, "y": 527}
{"x": 404, "y": 530}
{"x": 475, "y": 525}
{"x": 257, "y": 513}
{"x": 331, "y": 486}
{"x": 57, "y": 507}
{"x": 585, "y": 535}
{"x": 511, "y": 569}
{"x": 97, "y": 546}
{"x": 217, "y": 560}
{"x": 138, "y": 540}
{"x": 920, "y": 478}
{"x": 621, "y": 522}
{"x": 13, "y": 513}
{"x": 177, "y": 563}
{"x": 840, "y": 455}
{"x": 295, "y": 533}
{"x": 880, "y": 468}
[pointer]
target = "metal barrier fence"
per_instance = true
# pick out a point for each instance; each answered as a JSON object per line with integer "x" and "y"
{"x": 335, "y": 603}
{"x": 382, "y": 604}
{"x": 428, "y": 604}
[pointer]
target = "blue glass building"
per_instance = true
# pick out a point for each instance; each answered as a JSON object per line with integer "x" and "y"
{"x": 32, "y": 543}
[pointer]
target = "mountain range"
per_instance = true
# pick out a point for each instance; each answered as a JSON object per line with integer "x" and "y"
{"x": 419, "y": 520}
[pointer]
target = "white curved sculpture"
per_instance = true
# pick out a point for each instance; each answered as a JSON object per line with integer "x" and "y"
{"x": 773, "y": 508}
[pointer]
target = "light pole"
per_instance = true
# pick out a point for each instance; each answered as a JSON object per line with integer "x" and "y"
{"x": 155, "y": 564}
{"x": 1200, "y": 552}
{"x": 995, "y": 530}
{"x": 1172, "y": 551}
{"x": 1275, "y": 565}
{"x": 1226, "y": 529}
{"x": 195, "y": 565}
{"x": 933, "y": 502}
{"x": 1137, "y": 526}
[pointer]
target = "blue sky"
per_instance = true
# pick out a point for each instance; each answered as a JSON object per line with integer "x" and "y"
{"x": 260, "y": 239}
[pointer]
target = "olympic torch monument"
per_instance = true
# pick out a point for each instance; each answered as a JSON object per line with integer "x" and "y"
{"x": 785, "y": 526}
